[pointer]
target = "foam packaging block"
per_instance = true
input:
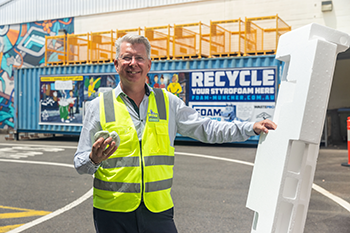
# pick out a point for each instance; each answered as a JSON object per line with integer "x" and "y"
{"x": 286, "y": 158}
{"x": 101, "y": 134}
{"x": 105, "y": 134}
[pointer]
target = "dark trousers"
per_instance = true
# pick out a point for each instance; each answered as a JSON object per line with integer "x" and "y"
{"x": 139, "y": 221}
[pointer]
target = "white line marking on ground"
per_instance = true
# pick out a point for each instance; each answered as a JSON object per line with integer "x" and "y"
{"x": 317, "y": 188}
{"x": 53, "y": 214}
{"x": 217, "y": 158}
{"x": 37, "y": 162}
{"x": 15, "y": 144}
{"x": 331, "y": 196}
{"x": 87, "y": 195}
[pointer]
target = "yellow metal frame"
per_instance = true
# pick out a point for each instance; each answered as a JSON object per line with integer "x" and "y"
{"x": 228, "y": 40}
{"x": 198, "y": 38}
{"x": 61, "y": 55}
{"x": 193, "y": 40}
{"x": 158, "y": 36}
{"x": 102, "y": 50}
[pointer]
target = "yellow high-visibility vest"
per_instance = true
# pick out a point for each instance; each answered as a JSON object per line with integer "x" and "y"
{"x": 134, "y": 169}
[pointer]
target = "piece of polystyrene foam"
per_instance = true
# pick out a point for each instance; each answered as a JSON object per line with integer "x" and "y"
{"x": 285, "y": 161}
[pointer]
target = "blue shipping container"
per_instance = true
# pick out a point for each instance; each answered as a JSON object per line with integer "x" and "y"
{"x": 45, "y": 102}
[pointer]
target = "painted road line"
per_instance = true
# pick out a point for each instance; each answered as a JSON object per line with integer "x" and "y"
{"x": 216, "y": 158}
{"x": 37, "y": 162}
{"x": 23, "y": 213}
{"x": 53, "y": 214}
{"x": 9, "y": 227}
{"x": 331, "y": 196}
{"x": 36, "y": 145}
{"x": 57, "y": 212}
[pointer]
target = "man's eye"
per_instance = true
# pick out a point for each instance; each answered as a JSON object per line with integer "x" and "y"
{"x": 127, "y": 58}
{"x": 139, "y": 58}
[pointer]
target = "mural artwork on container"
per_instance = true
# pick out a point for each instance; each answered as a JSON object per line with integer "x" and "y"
{"x": 172, "y": 82}
{"x": 23, "y": 45}
{"x": 231, "y": 94}
{"x": 64, "y": 99}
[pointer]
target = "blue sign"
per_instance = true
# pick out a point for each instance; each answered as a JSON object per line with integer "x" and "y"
{"x": 233, "y": 85}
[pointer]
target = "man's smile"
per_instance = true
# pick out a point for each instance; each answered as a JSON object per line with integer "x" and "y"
{"x": 133, "y": 72}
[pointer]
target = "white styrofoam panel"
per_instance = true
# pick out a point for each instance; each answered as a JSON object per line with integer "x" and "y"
{"x": 286, "y": 158}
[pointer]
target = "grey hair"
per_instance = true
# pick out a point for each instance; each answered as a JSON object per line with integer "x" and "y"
{"x": 133, "y": 39}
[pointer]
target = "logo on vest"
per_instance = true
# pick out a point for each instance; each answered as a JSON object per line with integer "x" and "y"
{"x": 153, "y": 117}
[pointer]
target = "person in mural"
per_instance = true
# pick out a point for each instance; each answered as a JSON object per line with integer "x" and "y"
{"x": 175, "y": 87}
{"x": 43, "y": 88}
{"x": 93, "y": 84}
{"x": 63, "y": 108}
{"x": 63, "y": 104}
{"x": 71, "y": 105}
{"x": 156, "y": 84}
{"x": 132, "y": 182}
{"x": 162, "y": 84}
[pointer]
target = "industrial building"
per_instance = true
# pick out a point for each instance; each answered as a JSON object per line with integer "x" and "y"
{"x": 43, "y": 41}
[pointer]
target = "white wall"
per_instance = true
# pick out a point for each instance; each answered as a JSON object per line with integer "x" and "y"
{"x": 21, "y": 11}
{"x": 296, "y": 13}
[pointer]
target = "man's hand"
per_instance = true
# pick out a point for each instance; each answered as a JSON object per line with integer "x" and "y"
{"x": 99, "y": 152}
{"x": 264, "y": 126}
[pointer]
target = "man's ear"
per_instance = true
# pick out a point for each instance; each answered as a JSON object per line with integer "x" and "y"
{"x": 116, "y": 64}
{"x": 149, "y": 65}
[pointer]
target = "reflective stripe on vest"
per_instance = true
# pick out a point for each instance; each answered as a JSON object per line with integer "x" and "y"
{"x": 117, "y": 186}
{"x": 118, "y": 181}
{"x": 132, "y": 187}
{"x": 135, "y": 161}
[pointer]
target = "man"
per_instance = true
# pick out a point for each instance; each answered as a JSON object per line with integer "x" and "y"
{"x": 132, "y": 183}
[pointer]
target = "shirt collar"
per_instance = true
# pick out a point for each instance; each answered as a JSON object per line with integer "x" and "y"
{"x": 118, "y": 90}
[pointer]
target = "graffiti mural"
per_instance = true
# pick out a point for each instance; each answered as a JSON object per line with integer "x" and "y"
{"x": 23, "y": 45}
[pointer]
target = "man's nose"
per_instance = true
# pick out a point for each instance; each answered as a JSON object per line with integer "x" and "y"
{"x": 133, "y": 61}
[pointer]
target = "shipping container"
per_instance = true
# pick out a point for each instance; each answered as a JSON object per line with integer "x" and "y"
{"x": 52, "y": 99}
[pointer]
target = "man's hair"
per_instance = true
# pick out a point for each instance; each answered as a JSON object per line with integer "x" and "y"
{"x": 133, "y": 39}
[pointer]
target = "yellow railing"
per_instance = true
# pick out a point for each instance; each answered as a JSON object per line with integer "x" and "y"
{"x": 161, "y": 41}
{"x": 235, "y": 37}
{"x": 227, "y": 37}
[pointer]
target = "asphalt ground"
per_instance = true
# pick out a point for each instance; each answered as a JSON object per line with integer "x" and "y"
{"x": 41, "y": 192}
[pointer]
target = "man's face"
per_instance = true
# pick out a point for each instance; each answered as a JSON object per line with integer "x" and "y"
{"x": 132, "y": 64}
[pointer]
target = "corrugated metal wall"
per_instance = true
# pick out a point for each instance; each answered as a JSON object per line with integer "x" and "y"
{"x": 27, "y": 84}
{"x": 21, "y": 11}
